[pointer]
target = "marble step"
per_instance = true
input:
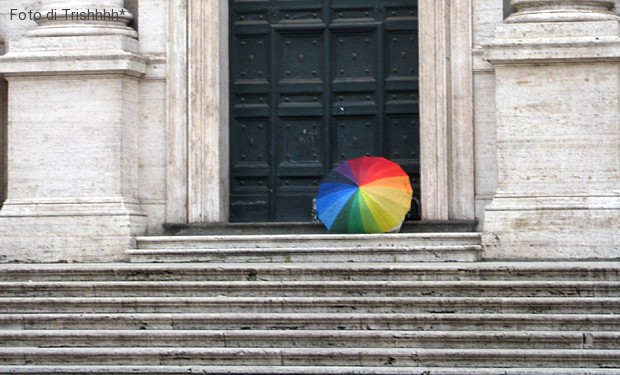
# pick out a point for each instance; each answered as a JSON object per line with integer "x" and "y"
{"x": 312, "y": 321}
{"x": 295, "y": 370}
{"x": 307, "y": 228}
{"x": 548, "y": 271}
{"x": 313, "y": 356}
{"x": 470, "y": 288}
{"x": 304, "y": 248}
{"x": 509, "y": 305}
{"x": 312, "y": 339}
{"x": 302, "y": 241}
{"x": 453, "y": 253}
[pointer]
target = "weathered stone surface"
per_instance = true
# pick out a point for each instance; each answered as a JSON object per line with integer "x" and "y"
{"x": 538, "y": 318}
{"x": 555, "y": 78}
{"x": 403, "y": 247}
{"x": 73, "y": 186}
{"x": 71, "y": 18}
{"x": 298, "y": 370}
{"x": 561, "y": 10}
{"x": 558, "y": 132}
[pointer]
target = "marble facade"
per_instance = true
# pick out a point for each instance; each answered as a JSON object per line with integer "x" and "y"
{"x": 557, "y": 75}
{"x": 110, "y": 133}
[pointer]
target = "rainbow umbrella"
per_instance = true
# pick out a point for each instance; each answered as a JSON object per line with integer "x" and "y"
{"x": 364, "y": 195}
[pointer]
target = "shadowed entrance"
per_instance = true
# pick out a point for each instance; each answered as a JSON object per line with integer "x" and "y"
{"x": 314, "y": 83}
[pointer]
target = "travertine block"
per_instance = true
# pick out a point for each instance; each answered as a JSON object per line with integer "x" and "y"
{"x": 558, "y": 141}
{"x": 3, "y": 140}
{"x": 551, "y": 139}
{"x": 153, "y": 26}
{"x": 552, "y": 228}
{"x": 78, "y": 231}
{"x": 73, "y": 150}
{"x": 152, "y": 151}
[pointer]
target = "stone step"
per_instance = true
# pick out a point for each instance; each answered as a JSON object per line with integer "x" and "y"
{"x": 313, "y": 356}
{"x": 548, "y": 271}
{"x": 454, "y": 253}
{"x": 198, "y": 229}
{"x": 313, "y": 321}
{"x": 303, "y": 241}
{"x": 312, "y": 339}
{"x": 294, "y": 370}
{"x": 388, "y": 317}
{"x": 468, "y": 288}
{"x": 509, "y": 305}
{"x": 313, "y": 248}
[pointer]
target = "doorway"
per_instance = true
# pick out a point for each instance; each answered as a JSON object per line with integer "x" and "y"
{"x": 314, "y": 83}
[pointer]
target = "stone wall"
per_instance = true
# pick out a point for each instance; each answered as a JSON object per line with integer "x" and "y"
{"x": 3, "y": 138}
{"x": 152, "y": 24}
{"x": 74, "y": 131}
{"x": 557, "y": 84}
{"x": 151, "y": 19}
{"x": 157, "y": 100}
{"x": 488, "y": 14}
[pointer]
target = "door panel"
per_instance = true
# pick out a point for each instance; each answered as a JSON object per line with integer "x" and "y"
{"x": 313, "y": 83}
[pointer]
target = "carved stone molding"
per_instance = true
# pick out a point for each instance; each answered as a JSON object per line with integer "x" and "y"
{"x": 81, "y": 18}
{"x": 561, "y": 11}
{"x": 198, "y": 131}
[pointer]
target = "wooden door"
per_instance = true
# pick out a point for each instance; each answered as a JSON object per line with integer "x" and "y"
{"x": 313, "y": 83}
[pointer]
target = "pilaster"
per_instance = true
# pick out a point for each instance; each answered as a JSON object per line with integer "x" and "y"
{"x": 73, "y": 137}
{"x": 197, "y": 168}
{"x": 3, "y": 132}
{"x": 557, "y": 69}
{"x": 446, "y": 110}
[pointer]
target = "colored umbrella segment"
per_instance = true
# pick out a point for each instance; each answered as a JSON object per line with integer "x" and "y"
{"x": 364, "y": 195}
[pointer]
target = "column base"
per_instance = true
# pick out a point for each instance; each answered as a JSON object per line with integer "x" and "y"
{"x": 81, "y": 30}
{"x": 532, "y": 228}
{"x": 561, "y": 11}
{"x": 69, "y": 230}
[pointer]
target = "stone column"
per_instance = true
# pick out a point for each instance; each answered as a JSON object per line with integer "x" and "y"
{"x": 73, "y": 162}
{"x": 81, "y": 18}
{"x": 557, "y": 66}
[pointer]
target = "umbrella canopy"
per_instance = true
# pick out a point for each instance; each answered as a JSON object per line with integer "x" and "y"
{"x": 364, "y": 195}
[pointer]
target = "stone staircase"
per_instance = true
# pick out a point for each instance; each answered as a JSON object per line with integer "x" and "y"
{"x": 310, "y": 304}
{"x": 310, "y": 248}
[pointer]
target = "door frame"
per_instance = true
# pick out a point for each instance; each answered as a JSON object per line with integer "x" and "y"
{"x": 197, "y": 124}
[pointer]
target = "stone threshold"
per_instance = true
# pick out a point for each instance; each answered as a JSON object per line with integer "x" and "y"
{"x": 202, "y": 229}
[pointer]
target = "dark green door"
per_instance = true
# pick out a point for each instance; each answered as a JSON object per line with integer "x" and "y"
{"x": 313, "y": 83}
